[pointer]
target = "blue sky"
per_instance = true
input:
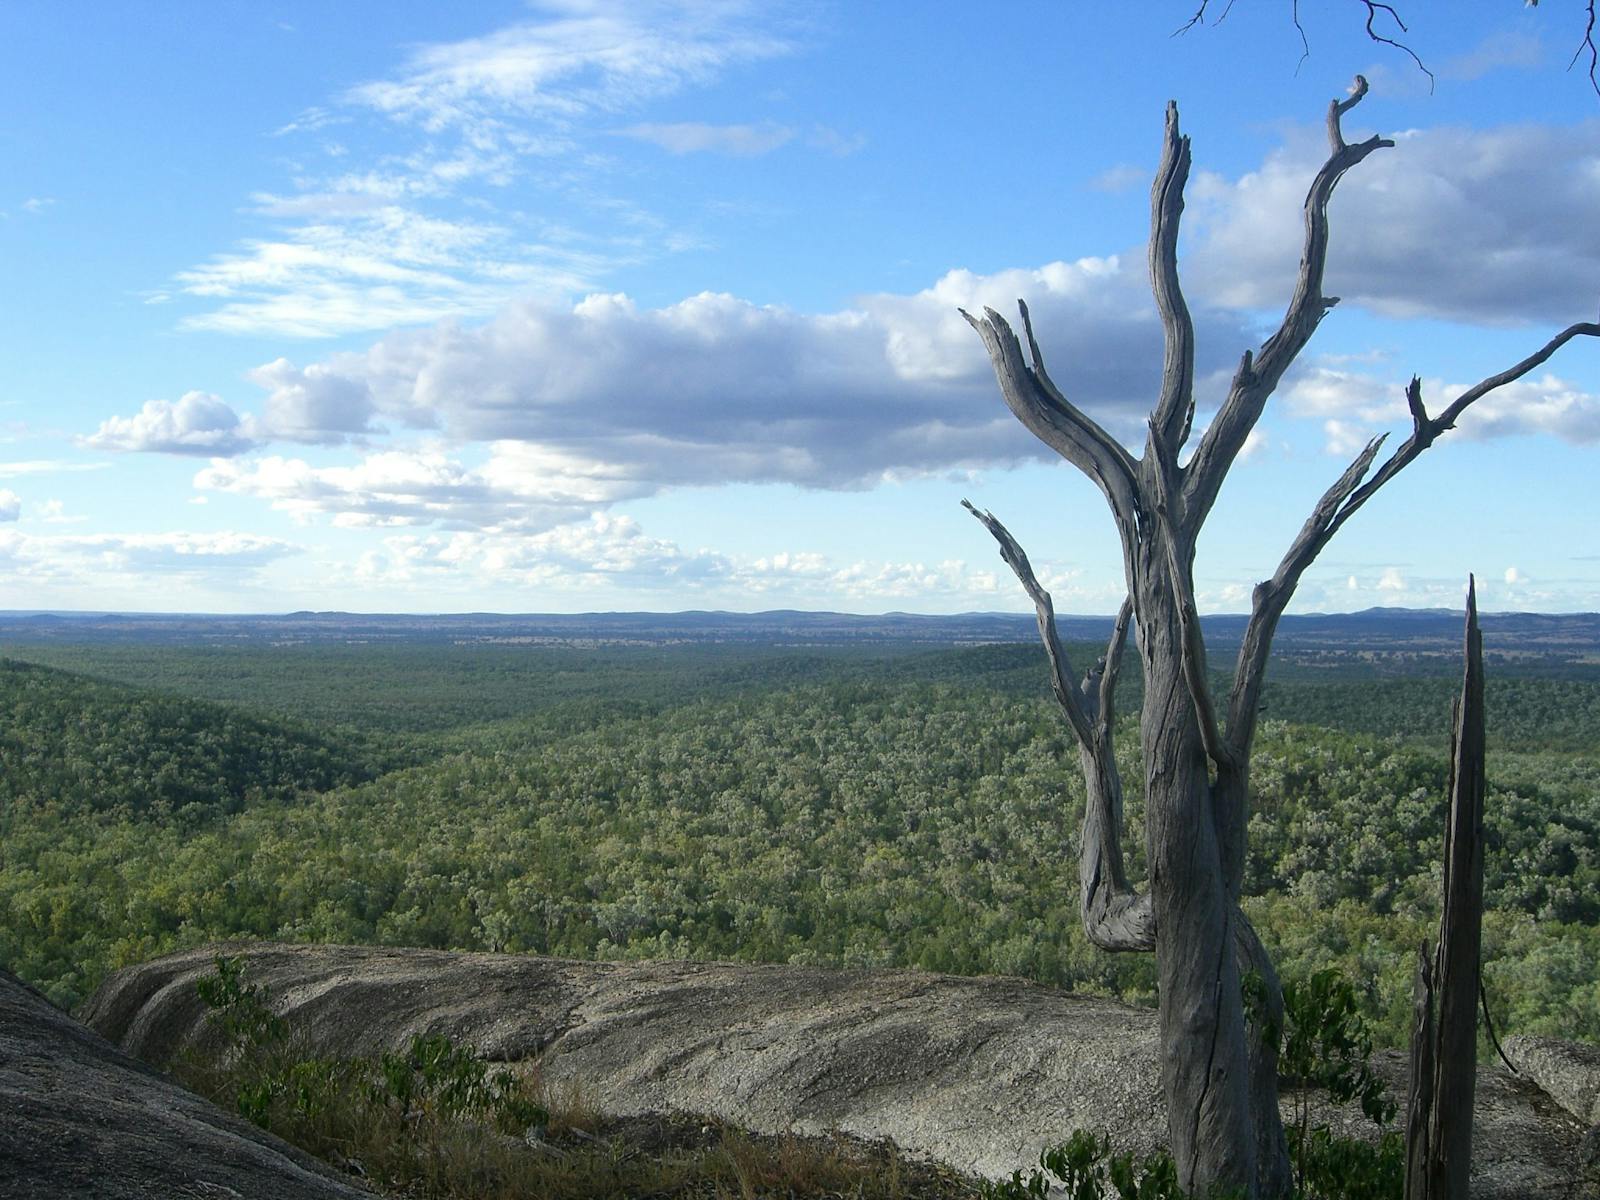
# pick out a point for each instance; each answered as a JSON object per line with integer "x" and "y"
{"x": 585, "y": 306}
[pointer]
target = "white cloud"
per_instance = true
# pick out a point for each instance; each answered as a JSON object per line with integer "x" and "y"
{"x": 144, "y": 563}
{"x": 403, "y": 238}
{"x": 54, "y": 512}
{"x": 1498, "y": 51}
{"x": 302, "y": 406}
{"x": 1514, "y": 576}
{"x": 586, "y": 58}
{"x": 374, "y": 269}
{"x": 1392, "y": 580}
{"x": 197, "y": 423}
{"x": 1344, "y": 439}
{"x": 715, "y": 389}
{"x": 1357, "y": 405}
{"x": 1485, "y": 226}
{"x": 518, "y": 487}
{"x": 607, "y": 553}
{"x": 1255, "y": 444}
{"x": 696, "y": 137}
{"x": 45, "y": 466}
{"x": 10, "y": 505}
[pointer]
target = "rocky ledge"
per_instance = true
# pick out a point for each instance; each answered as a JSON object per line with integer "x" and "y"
{"x": 78, "y": 1117}
{"x": 978, "y": 1073}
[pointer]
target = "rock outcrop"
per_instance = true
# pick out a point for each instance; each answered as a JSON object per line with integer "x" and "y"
{"x": 979, "y": 1073}
{"x": 78, "y": 1117}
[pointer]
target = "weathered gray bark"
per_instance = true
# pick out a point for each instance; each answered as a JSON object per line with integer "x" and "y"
{"x": 1220, "y": 1076}
{"x": 1444, "y": 1052}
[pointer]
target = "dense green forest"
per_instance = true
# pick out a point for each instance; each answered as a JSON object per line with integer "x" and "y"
{"x": 862, "y": 807}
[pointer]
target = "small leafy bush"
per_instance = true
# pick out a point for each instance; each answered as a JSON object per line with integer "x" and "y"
{"x": 1085, "y": 1167}
{"x": 403, "y": 1119}
{"x": 1326, "y": 1048}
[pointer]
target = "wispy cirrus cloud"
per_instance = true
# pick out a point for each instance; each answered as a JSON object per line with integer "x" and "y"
{"x": 697, "y": 137}
{"x": 580, "y": 58}
{"x": 46, "y": 466}
{"x": 422, "y": 229}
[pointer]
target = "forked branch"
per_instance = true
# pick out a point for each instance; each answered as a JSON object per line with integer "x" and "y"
{"x": 1258, "y": 375}
{"x": 1115, "y": 917}
{"x": 1337, "y": 506}
{"x": 1047, "y": 413}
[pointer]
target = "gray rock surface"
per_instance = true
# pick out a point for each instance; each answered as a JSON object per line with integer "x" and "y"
{"x": 978, "y": 1073}
{"x": 78, "y": 1118}
{"x": 1568, "y": 1071}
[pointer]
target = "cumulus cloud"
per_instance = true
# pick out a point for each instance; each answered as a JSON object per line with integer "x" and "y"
{"x": 10, "y": 505}
{"x": 1484, "y": 226}
{"x": 609, "y": 400}
{"x": 302, "y": 406}
{"x": 1514, "y": 576}
{"x": 196, "y": 423}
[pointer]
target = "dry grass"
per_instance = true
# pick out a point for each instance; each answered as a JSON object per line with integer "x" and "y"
{"x": 440, "y": 1123}
{"x": 577, "y": 1154}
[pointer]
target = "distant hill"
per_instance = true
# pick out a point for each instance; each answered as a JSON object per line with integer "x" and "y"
{"x": 1384, "y": 630}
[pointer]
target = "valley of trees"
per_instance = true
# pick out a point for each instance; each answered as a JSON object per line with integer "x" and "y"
{"x": 857, "y": 807}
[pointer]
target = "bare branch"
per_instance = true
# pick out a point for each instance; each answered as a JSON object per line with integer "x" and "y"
{"x": 1272, "y": 597}
{"x": 1372, "y": 15}
{"x": 1198, "y": 19}
{"x": 1256, "y": 379}
{"x": 1115, "y": 917}
{"x": 1106, "y": 706}
{"x": 1061, "y": 680}
{"x": 1588, "y": 44}
{"x": 1337, "y": 505}
{"x": 1051, "y": 417}
{"x": 1166, "y": 210}
{"x": 1305, "y": 42}
{"x": 1426, "y": 430}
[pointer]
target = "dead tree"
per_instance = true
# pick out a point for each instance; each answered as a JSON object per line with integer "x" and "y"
{"x": 1219, "y": 1076}
{"x": 1444, "y": 1031}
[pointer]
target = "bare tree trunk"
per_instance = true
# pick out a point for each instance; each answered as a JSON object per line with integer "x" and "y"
{"x": 1444, "y": 1053}
{"x": 1220, "y": 1075}
{"x": 1205, "y": 1064}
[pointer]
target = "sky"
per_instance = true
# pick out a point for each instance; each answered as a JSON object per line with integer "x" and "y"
{"x": 595, "y": 305}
